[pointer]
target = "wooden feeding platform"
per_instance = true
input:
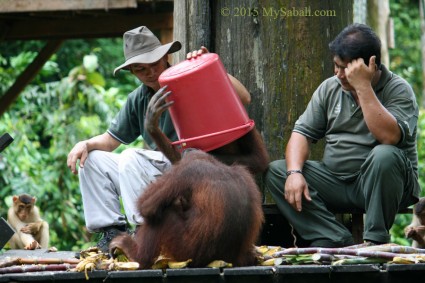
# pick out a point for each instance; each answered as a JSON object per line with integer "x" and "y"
{"x": 282, "y": 273}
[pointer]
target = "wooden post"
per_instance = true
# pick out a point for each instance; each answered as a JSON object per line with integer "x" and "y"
{"x": 279, "y": 51}
{"x": 192, "y": 26}
{"x": 378, "y": 12}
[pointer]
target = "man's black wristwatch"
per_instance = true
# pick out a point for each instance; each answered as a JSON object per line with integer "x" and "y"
{"x": 290, "y": 172}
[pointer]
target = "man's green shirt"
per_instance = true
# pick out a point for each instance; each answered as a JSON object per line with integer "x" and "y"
{"x": 334, "y": 115}
{"x": 128, "y": 124}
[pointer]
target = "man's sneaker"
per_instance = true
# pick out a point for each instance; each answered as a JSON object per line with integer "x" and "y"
{"x": 108, "y": 234}
{"x": 132, "y": 233}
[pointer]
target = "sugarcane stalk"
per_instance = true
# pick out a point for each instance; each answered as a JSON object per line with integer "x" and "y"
{"x": 359, "y": 260}
{"x": 48, "y": 260}
{"x": 301, "y": 251}
{"x": 362, "y": 245}
{"x": 344, "y": 256}
{"x": 298, "y": 259}
{"x": 323, "y": 258}
{"x": 8, "y": 263}
{"x": 18, "y": 261}
{"x": 396, "y": 249}
{"x": 340, "y": 251}
{"x": 36, "y": 268}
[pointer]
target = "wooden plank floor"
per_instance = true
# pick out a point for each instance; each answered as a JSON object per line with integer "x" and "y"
{"x": 286, "y": 274}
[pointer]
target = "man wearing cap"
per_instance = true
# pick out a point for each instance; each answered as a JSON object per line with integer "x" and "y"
{"x": 106, "y": 176}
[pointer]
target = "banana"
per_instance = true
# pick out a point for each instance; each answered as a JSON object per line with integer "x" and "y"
{"x": 84, "y": 253}
{"x": 402, "y": 260}
{"x": 89, "y": 267}
{"x": 420, "y": 258}
{"x": 80, "y": 266}
{"x": 178, "y": 264}
{"x": 219, "y": 264}
{"x": 161, "y": 262}
{"x": 125, "y": 265}
{"x": 272, "y": 250}
{"x": 272, "y": 262}
{"x": 105, "y": 264}
{"x": 262, "y": 249}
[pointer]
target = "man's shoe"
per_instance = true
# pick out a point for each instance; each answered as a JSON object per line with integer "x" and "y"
{"x": 109, "y": 233}
{"x": 134, "y": 232}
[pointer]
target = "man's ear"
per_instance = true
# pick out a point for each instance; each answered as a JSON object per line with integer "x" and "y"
{"x": 372, "y": 64}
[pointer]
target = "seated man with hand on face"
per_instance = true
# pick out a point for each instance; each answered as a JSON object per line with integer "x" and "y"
{"x": 367, "y": 116}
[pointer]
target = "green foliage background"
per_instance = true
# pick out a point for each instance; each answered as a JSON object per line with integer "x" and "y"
{"x": 75, "y": 96}
{"x": 406, "y": 61}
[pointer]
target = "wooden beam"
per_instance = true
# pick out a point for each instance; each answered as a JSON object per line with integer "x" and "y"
{"x": 18, "y": 6}
{"x": 105, "y": 25}
{"x": 28, "y": 74}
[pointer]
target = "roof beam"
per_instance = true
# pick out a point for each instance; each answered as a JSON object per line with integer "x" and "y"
{"x": 103, "y": 25}
{"x": 18, "y": 6}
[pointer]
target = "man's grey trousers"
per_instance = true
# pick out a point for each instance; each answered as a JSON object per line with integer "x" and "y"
{"x": 108, "y": 176}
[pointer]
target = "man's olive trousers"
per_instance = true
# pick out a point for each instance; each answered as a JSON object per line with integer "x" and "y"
{"x": 384, "y": 185}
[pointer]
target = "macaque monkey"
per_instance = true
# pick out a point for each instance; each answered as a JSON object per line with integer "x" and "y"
{"x": 31, "y": 232}
{"x": 416, "y": 230}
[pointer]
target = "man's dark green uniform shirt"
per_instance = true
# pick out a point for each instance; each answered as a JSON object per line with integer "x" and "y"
{"x": 334, "y": 115}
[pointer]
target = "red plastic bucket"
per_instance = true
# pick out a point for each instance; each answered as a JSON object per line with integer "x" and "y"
{"x": 207, "y": 112}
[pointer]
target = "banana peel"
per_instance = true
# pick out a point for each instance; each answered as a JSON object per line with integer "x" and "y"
{"x": 272, "y": 262}
{"x": 403, "y": 260}
{"x": 178, "y": 264}
{"x": 161, "y": 262}
{"x": 93, "y": 259}
{"x": 262, "y": 249}
{"x": 272, "y": 250}
{"x": 267, "y": 250}
{"x": 219, "y": 264}
{"x": 125, "y": 266}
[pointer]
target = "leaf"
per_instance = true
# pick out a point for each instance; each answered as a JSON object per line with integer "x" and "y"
{"x": 95, "y": 78}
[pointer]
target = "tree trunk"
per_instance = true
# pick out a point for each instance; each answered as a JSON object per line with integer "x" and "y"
{"x": 378, "y": 19}
{"x": 192, "y": 26}
{"x": 280, "y": 57}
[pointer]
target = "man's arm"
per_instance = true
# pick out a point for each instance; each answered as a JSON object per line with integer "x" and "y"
{"x": 381, "y": 123}
{"x": 81, "y": 150}
{"x": 240, "y": 89}
{"x": 297, "y": 152}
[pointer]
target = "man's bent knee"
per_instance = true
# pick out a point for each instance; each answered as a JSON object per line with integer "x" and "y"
{"x": 386, "y": 156}
{"x": 128, "y": 160}
{"x": 94, "y": 157}
{"x": 275, "y": 175}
